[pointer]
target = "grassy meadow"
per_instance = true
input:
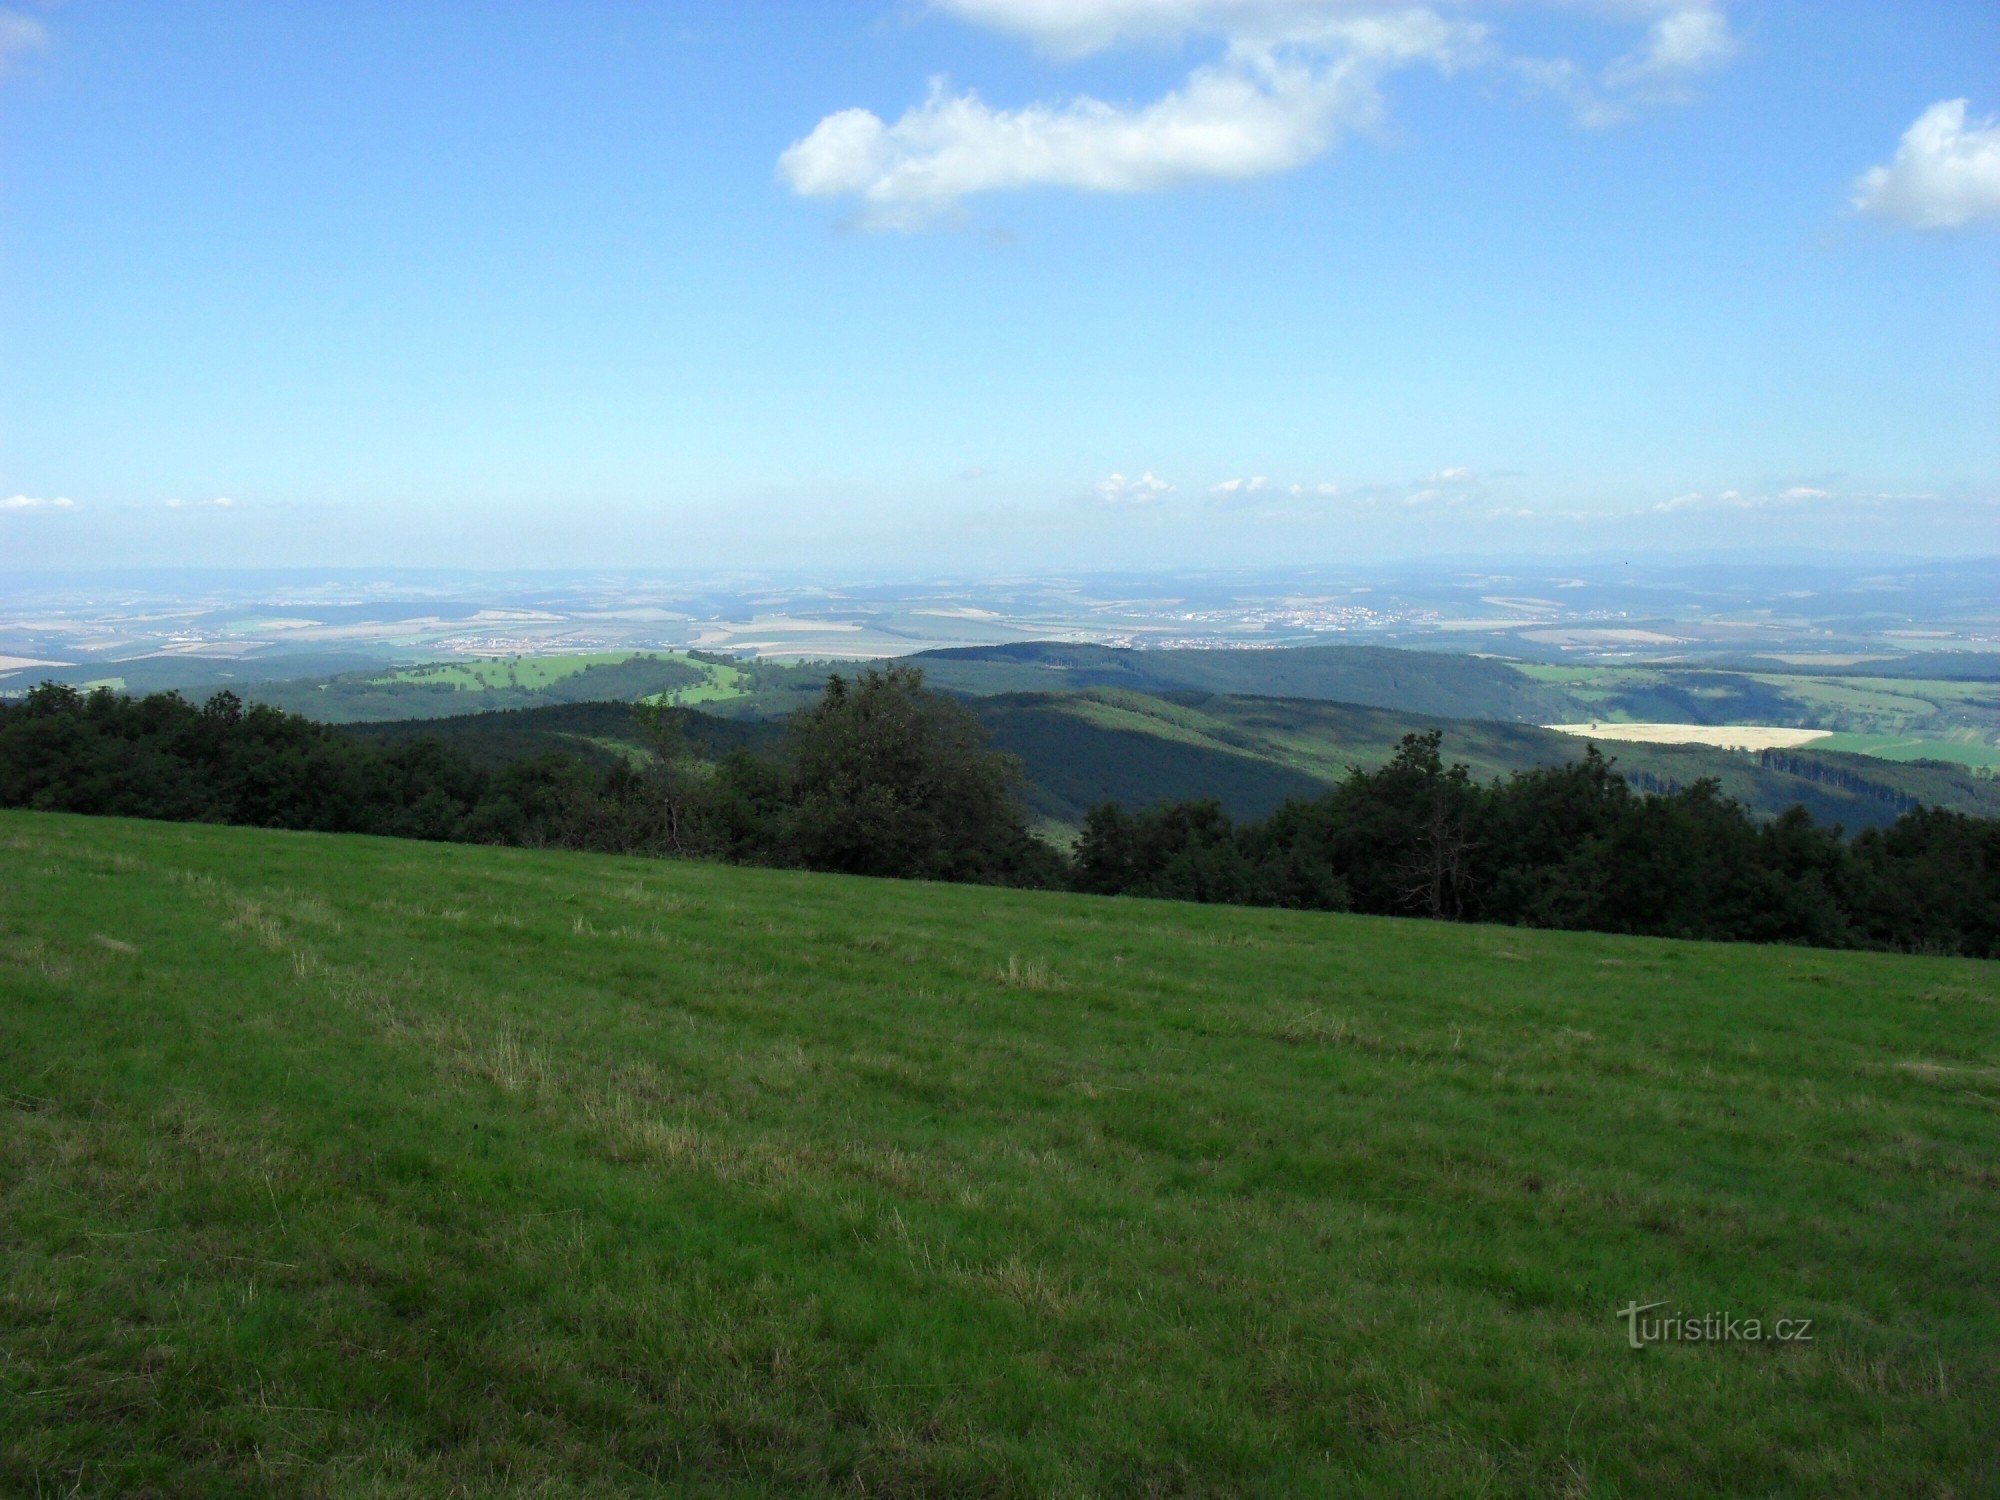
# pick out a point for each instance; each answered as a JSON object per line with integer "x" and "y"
{"x": 337, "y": 1166}
{"x": 1964, "y": 748}
{"x": 484, "y": 674}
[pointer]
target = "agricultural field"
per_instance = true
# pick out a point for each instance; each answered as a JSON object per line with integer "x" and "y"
{"x": 1933, "y": 708}
{"x": 1964, "y": 748}
{"x": 342, "y": 1166}
{"x": 1721, "y": 736}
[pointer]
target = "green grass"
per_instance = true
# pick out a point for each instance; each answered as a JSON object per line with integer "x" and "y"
{"x": 486, "y": 674}
{"x": 1963, "y": 749}
{"x": 343, "y": 1166}
{"x": 720, "y": 683}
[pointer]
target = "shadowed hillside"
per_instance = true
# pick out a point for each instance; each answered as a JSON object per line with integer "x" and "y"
{"x": 1422, "y": 682}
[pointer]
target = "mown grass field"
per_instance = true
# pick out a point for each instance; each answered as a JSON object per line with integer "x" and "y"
{"x": 341, "y": 1166}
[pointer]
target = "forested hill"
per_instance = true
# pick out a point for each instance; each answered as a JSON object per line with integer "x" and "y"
{"x": 883, "y": 776}
{"x": 603, "y": 734}
{"x": 1080, "y": 748}
{"x": 1440, "y": 684}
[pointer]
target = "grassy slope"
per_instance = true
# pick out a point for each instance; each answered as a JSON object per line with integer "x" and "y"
{"x": 352, "y": 1166}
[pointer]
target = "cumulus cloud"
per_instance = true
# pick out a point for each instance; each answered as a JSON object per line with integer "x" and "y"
{"x": 1239, "y": 489}
{"x": 1945, "y": 174}
{"x": 35, "y": 502}
{"x": 1453, "y": 476}
{"x": 1117, "y": 489}
{"x": 19, "y": 36}
{"x": 1248, "y": 117}
{"x": 1292, "y": 78}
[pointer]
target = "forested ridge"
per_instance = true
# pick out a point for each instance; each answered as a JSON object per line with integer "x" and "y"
{"x": 882, "y": 776}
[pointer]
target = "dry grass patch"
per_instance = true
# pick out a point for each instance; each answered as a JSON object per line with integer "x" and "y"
{"x": 1035, "y": 974}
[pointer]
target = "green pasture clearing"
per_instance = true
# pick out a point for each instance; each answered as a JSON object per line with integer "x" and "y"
{"x": 335, "y": 1166}
{"x": 1963, "y": 750}
{"x": 484, "y": 674}
{"x": 721, "y": 682}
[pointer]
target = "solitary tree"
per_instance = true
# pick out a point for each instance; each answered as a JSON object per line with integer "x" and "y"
{"x": 890, "y": 778}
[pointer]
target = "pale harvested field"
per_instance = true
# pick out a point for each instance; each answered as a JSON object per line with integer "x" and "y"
{"x": 1723, "y": 736}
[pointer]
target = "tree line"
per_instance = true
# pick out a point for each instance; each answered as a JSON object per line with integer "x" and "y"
{"x": 882, "y": 776}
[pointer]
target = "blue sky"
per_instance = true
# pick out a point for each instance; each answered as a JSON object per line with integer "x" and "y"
{"x": 982, "y": 285}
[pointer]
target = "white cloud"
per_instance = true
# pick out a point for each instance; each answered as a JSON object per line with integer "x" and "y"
{"x": 1116, "y": 489}
{"x": 1244, "y": 118}
{"x": 1233, "y": 489}
{"x": 1076, "y": 28}
{"x": 19, "y": 36}
{"x": 1796, "y": 495}
{"x": 1689, "y": 39}
{"x": 1293, "y": 76}
{"x": 1453, "y": 476}
{"x": 34, "y": 502}
{"x": 1945, "y": 174}
{"x": 1562, "y": 79}
{"x": 222, "y": 502}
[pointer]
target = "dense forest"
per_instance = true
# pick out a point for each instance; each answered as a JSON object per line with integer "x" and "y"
{"x": 882, "y": 776}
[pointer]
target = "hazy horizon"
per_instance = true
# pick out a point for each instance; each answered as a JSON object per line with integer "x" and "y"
{"x": 995, "y": 286}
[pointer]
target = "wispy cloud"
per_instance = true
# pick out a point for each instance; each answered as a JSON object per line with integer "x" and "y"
{"x": 1793, "y": 497}
{"x": 220, "y": 502}
{"x": 1293, "y": 77}
{"x": 36, "y": 502}
{"x": 1687, "y": 41}
{"x": 1945, "y": 174}
{"x": 20, "y": 36}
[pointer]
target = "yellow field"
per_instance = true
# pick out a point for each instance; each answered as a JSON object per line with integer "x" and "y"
{"x": 1723, "y": 736}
